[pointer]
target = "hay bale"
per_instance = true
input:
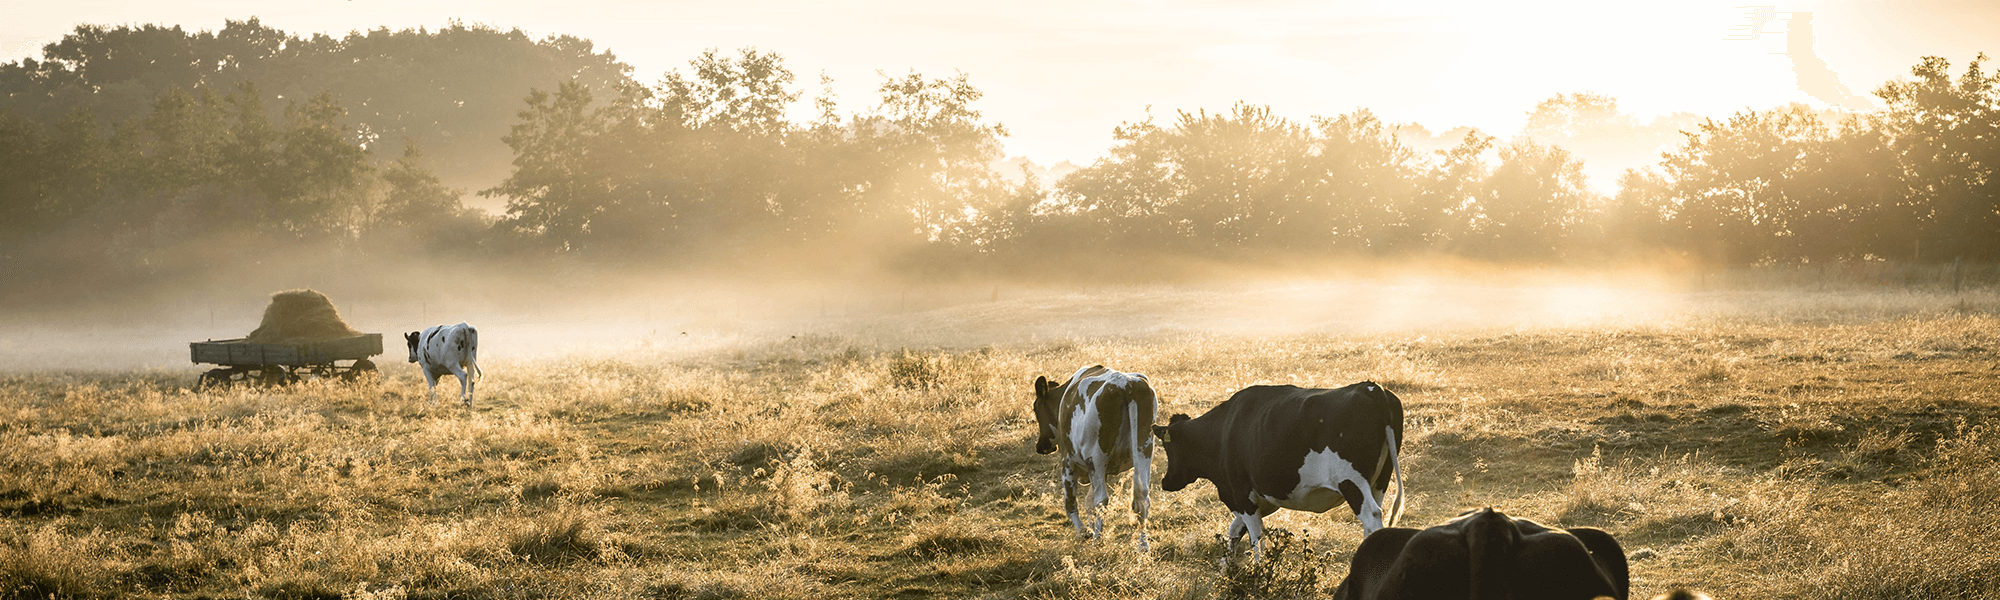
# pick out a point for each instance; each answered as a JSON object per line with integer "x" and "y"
{"x": 299, "y": 316}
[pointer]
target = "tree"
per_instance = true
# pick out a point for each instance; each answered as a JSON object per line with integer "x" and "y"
{"x": 419, "y": 211}
{"x": 1360, "y": 175}
{"x": 1735, "y": 189}
{"x": 1436, "y": 215}
{"x": 557, "y": 191}
{"x": 923, "y": 157}
{"x": 1945, "y": 136}
{"x": 1526, "y": 208}
{"x": 1634, "y": 221}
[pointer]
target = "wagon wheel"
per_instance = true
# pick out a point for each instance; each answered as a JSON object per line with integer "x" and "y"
{"x": 213, "y": 379}
{"x": 360, "y": 367}
{"x": 273, "y": 375}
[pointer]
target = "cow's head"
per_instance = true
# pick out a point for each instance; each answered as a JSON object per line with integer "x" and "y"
{"x": 1180, "y": 471}
{"x": 411, "y": 337}
{"x": 1048, "y": 399}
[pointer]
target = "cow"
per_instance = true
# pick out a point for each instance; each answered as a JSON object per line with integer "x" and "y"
{"x": 1097, "y": 422}
{"x": 447, "y": 350}
{"x": 1272, "y": 447}
{"x": 1486, "y": 554}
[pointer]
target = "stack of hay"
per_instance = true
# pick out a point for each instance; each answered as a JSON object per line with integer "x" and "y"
{"x": 300, "y": 316}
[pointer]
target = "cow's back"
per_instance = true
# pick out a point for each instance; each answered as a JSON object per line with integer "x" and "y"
{"x": 1486, "y": 554}
{"x": 1123, "y": 405}
{"x": 1275, "y": 427}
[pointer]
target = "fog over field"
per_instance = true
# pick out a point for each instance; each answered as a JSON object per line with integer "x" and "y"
{"x": 667, "y": 316}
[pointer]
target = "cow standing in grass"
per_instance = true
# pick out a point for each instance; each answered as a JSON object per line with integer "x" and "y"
{"x": 447, "y": 350}
{"x": 1270, "y": 447}
{"x": 1098, "y": 423}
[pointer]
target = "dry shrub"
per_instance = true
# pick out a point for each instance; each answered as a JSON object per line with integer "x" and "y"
{"x": 570, "y": 534}
{"x": 50, "y": 561}
{"x": 1288, "y": 569}
{"x": 296, "y": 316}
{"x": 308, "y": 561}
{"x": 799, "y": 487}
{"x": 1094, "y": 571}
{"x": 917, "y": 371}
{"x": 1932, "y": 538}
{"x": 1709, "y": 371}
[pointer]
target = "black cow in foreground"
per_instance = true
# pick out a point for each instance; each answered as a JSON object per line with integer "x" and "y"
{"x": 1484, "y": 554}
{"x": 1272, "y": 447}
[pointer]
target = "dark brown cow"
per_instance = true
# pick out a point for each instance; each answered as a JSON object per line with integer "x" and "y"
{"x": 1271, "y": 447}
{"x": 1486, "y": 555}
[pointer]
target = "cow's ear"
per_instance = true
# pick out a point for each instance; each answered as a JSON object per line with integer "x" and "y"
{"x": 1041, "y": 385}
{"x": 1162, "y": 432}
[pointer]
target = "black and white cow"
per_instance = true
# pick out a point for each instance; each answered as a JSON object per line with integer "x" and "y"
{"x": 1272, "y": 447}
{"x": 1098, "y": 422}
{"x": 447, "y": 350}
{"x": 1486, "y": 554}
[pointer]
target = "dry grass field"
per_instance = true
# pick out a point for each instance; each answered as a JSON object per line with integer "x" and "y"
{"x": 1756, "y": 445}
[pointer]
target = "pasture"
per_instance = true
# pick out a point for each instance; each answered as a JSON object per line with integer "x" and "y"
{"x": 1757, "y": 444}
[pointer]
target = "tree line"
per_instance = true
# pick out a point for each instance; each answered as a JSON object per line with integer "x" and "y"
{"x": 127, "y": 147}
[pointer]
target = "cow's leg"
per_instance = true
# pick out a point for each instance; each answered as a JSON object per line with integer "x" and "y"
{"x": 1364, "y": 501}
{"x": 1142, "y": 474}
{"x": 1100, "y": 495}
{"x": 1069, "y": 502}
{"x": 432, "y": 379}
{"x": 465, "y": 383}
{"x": 1253, "y": 523}
{"x": 1236, "y": 530}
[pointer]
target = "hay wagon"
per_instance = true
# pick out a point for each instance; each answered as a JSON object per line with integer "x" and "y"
{"x": 282, "y": 363}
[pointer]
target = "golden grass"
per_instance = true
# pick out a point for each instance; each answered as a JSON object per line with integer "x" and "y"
{"x": 1791, "y": 453}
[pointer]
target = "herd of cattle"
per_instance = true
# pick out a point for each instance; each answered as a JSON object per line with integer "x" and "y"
{"x": 1270, "y": 447}
{"x": 1265, "y": 448}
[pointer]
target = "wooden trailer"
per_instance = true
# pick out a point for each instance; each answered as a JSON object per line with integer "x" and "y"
{"x": 277, "y": 364}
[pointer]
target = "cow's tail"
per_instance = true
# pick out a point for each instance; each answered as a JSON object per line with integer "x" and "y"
{"x": 471, "y": 351}
{"x": 1389, "y": 443}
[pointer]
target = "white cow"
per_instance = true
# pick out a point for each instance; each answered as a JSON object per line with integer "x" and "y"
{"x": 447, "y": 350}
{"x": 1099, "y": 422}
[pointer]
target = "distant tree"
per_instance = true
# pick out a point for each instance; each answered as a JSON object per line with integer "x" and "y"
{"x": 1945, "y": 135}
{"x": 452, "y": 89}
{"x": 926, "y": 156}
{"x": 1735, "y": 184}
{"x": 1361, "y": 178}
{"x": 1850, "y": 199}
{"x": 1634, "y": 221}
{"x": 1526, "y": 208}
{"x": 417, "y": 210}
{"x": 557, "y": 191}
{"x": 25, "y": 168}
{"x": 1437, "y": 215}
{"x": 1576, "y": 116}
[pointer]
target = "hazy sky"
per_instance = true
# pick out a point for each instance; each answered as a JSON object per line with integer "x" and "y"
{"x": 1061, "y": 74}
